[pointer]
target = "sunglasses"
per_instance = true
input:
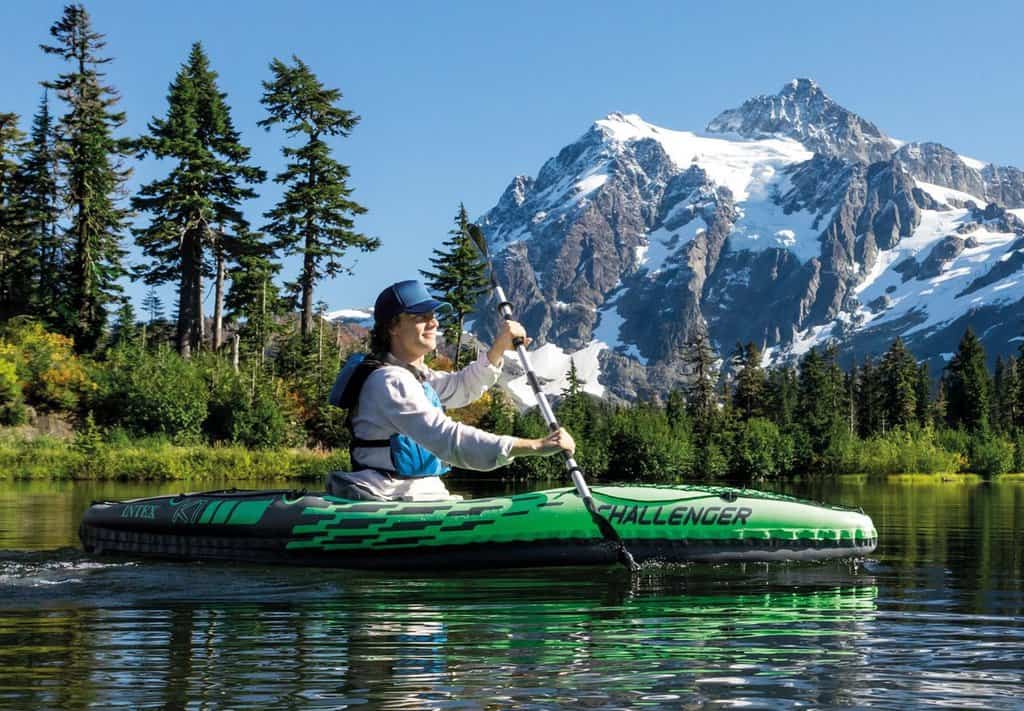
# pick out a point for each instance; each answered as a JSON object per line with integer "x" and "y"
{"x": 426, "y": 317}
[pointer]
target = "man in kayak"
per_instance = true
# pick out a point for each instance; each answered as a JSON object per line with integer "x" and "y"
{"x": 402, "y": 440}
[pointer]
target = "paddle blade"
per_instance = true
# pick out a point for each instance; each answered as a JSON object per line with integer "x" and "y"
{"x": 477, "y": 235}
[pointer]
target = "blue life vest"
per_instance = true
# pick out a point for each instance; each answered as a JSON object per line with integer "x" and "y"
{"x": 408, "y": 457}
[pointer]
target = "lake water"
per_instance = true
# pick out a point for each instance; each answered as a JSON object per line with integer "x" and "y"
{"x": 934, "y": 617}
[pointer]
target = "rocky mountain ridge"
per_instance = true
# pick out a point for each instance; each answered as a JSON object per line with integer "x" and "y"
{"x": 791, "y": 222}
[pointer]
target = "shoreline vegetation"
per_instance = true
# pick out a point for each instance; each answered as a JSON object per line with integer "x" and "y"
{"x": 135, "y": 409}
{"x": 53, "y": 459}
{"x": 26, "y": 456}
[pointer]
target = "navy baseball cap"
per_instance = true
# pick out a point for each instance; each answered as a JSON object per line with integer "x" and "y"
{"x": 405, "y": 297}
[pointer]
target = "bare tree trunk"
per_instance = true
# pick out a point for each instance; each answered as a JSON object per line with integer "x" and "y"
{"x": 458, "y": 344}
{"x": 184, "y": 309}
{"x": 234, "y": 352}
{"x": 198, "y": 327}
{"x": 307, "y": 295}
{"x": 218, "y": 306}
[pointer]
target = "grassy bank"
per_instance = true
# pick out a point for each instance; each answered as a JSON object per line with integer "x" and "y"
{"x": 156, "y": 459}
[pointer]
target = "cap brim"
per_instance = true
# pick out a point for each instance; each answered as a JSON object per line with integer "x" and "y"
{"x": 428, "y": 305}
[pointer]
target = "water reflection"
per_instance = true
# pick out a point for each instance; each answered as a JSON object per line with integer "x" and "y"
{"x": 935, "y": 618}
{"x": 234, "y": 636}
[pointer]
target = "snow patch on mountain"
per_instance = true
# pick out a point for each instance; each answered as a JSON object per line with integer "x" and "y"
{"x": 972, "y": 162}
{"x": 739, "y": 164}
{"x": 361, "y": 317}
{"x": 763, "y": 223}
{"x": 664, "y": 245}
{"x": 608, "y": 329}
{"x": 947, "y": 196}
{"x": 887, "y": 295}
{"x": 551, "y": 364}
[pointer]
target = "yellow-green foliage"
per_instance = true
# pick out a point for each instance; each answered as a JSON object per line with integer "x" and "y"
{"x": 53, "y": 377}
{"x": 46, "y": 457}
{"x": 901, "y": 451}
{"x": 12, "y": 410}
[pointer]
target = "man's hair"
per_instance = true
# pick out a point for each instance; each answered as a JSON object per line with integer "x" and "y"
{"x": 380, "y": 336}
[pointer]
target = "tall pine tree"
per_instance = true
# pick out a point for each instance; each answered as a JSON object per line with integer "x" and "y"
{"x": 12, "y": 239}
{"x": 968, "y": 390}
{"x": 197, "y": 221}
{"x": 1004, "y": 391}
{"x": 700, "y": 367}
{"x": 40, "y": 212}
{"x": 748, "y": 397}
{"x": 315, "y": 215}
{"x": 899, "y": 380}
{"x": 821, "y": 399}
{"x": 459, "y": 278}
{"x": 254, "y": 302}
{"x": 91, "y": 163}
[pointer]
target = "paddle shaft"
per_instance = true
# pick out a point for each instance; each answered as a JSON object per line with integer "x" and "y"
{"x": 505, "y": 309}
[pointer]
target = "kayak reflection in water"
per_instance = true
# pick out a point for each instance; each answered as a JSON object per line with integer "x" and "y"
{"x": 403, "y": 442}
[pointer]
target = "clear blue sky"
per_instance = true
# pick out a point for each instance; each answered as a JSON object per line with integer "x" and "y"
{"x": 456, "y": 98}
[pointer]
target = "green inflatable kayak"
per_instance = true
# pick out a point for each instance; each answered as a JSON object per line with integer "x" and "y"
{"x": 671, "y": 524}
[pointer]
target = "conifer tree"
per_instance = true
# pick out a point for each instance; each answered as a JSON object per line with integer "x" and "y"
{"x": 12, "y": 239}
{"x": 40, "y": 212}
{"x": 872, "y": 416}
{"x": 899, "y": 381}
{"x": 153, "y": 305}
{"x": 314, "y": 217}
{"x": 1004, "y": 405}
{"x": 196, "y": 208}
{"x": 924, "y": 394}
{"x": 459, "y": 278}
{"x": 675, "y": 407}
{"x": 1019, "y": 395}
{"x": 968, "y": 390}
{"x": 254, "y": 302}
{"x": 820, "y": 396}
{"x": 782, "y": 391}
{"x": 125, "y": 328}
{"x": 702, "y": 376}
{"x": 748, "y": 397}
{"x": 91, "y": 164}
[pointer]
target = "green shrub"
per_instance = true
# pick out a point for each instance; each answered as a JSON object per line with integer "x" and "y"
{"x": 261, "y": 422}
{"x": 911, "y": 450}
{"x": 53, "y": 377}
{"x": 643, "y": 446}
{"x": 12, "y": 404}
{"x": 991, "y": 456}
{"x": 760, "y": 450}
{"x": 166, "y": 394}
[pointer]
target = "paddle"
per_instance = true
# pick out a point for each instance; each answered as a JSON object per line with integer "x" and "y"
{"x": 505, "y": 309}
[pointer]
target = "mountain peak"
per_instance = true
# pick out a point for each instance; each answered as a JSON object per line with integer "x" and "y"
{"x": 803, "y": 111}
{"x": 802, "y": 85}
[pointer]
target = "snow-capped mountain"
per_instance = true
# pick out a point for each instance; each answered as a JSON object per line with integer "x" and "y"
{"x": 790, "y": 222}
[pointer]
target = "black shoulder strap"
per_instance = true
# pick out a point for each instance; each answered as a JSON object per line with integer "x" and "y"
{"x": 349, "y": 401}
{"x": 350, "y": 398}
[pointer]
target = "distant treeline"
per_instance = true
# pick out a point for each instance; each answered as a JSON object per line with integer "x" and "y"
{"x": 739, "y": 421}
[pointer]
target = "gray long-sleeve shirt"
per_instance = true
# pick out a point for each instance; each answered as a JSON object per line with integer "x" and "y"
{"x": 392, "y": 401}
